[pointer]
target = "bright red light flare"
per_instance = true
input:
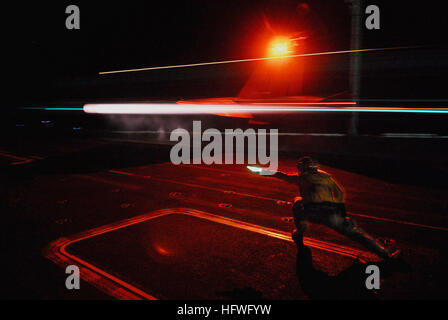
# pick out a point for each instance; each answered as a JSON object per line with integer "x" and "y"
{"x": 280, "y": 47}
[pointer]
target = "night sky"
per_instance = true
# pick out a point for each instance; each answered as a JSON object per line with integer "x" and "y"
{"x": 131, "y": 34}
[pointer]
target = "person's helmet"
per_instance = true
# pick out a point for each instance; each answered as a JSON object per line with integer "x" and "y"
{"x": 306, "y": 164}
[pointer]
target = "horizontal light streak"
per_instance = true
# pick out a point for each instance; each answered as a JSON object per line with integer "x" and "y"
{"x": 63, "y": 109}
{"x": 55, "y": 108}
{"x": 173, "y": 108}
{"x": 346, "y": 103}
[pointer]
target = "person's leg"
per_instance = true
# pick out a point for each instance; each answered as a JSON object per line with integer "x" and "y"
{"x": 300, "y": 222}
{"x": 349, "y": 228}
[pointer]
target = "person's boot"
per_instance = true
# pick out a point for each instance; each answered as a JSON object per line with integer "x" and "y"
{"x": 394, "y": 261}
{"x": 392, "y": 258}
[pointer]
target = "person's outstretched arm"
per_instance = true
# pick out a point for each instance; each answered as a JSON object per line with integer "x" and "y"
{"x": 291, "y": 178}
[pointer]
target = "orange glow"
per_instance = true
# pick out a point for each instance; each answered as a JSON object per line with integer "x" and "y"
{"x": 280, "y": 47}
{"x": 162, "y": 251}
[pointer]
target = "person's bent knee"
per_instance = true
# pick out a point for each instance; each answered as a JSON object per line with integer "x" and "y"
{"x": 345, "y": 225}
{"x": 297, "y": 208}
{"x": 337, "y": 221}
{"x": 298, "y": 203}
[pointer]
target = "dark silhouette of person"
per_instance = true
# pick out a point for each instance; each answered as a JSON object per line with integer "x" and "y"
{"x": 321, "y": 201}
{"x": 316, "y": 284}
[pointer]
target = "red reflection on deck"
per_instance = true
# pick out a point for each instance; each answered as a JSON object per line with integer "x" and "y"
{"x": 113, "y": 286}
